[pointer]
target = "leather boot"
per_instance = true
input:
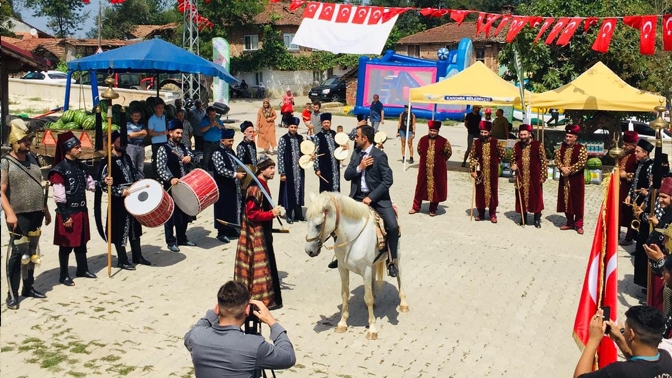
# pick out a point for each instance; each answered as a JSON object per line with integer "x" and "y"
{"x": 32, "y": 293}
{"x": 63, "y": 257}
{"x": 13, "y": 301}
{"x": 83, "y": 265}
{"x": 537, "y": 220}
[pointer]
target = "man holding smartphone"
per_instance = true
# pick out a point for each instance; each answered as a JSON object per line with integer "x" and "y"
{"x": 219, "y": 347}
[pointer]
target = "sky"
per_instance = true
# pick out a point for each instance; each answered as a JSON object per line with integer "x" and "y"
{"x": 41, "y": 22}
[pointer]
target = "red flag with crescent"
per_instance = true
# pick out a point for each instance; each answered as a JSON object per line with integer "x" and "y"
{"x": 479, "y": 23}
{"x": 427, "y": 11}
{"x": 535, "y": 21}
{"x": 376, "y": 15}
{"x": 459, "y": 16}
{"x": 634, "y": 22}
{"x": 545, "y": 25}
{"x": 502, "y": 24}
{"x": 489, "y": 20}
{"x": 296, "y": 4}
{"x": 360, "y": 14}
{"x": 667, "y": 32}
{"x": 590, "y": 21}
{"x": 328, "y": 11}
{"x": 603, "y": 39}
{"x": 647, "y": 35}
{"x": 557, "y": 28}
{"x": 517, "y": 24}
{"x": 569, "y": 31}
{"x": 311, "y": 9}
{"x": 438, "y": 13}
{"x": 343, "y": 13}
{"x": 391, "y": 12}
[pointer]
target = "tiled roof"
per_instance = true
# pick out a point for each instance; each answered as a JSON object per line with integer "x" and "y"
{"x": 451, "y": 33}
{"x": 11, "y": 40}
{"x": 52, "y": 45}
{"x": 94, "y": 42}
{"x": 281, "y": 15}
{"x": 142, "y": 31}
{"x": 29, "y": 60}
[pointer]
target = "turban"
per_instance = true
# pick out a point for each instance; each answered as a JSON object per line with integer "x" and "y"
{"x": 666, "y": 186}
{"x": 630, "y": 137}
{"x": 227, "y": 134}
{"x": 175, "y": 124}
{"x": 485, "y": 125}
{"x": 525, "y": 127}
{"x": 264, "y": 162}
{"x": 325, "y": 117}
{"x": 645, "y": 145}
{"x": 572, "y": 129}
{"x": 66, "y": 142}
{"x": 434, "y": 125}
{"x": 245, "y": 125}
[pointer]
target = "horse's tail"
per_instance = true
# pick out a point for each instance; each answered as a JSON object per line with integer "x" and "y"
{"x": 380, "y": 274}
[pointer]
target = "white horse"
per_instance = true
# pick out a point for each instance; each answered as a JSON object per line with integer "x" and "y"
{"x": 355, "y": 244}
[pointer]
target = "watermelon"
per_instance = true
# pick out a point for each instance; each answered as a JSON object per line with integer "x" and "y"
{"x": 586, "y": 176}
{"x": 89, "y": 123}
{"x": 68, "y": 116}
{"x": 58, "y": 125}
{"x": 80, "y": 115}
{"x": 71, "y": 126}
{"x": 594, "y": 163}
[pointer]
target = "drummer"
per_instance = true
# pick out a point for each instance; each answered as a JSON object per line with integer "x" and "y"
{"x": 124, "y": 226}
{"x": 229, "y": 204}
{"x": 173, "y": 162}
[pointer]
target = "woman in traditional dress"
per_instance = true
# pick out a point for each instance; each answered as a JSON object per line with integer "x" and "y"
{"x": 266, "y": 128}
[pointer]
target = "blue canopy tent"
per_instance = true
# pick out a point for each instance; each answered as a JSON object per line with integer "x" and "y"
{"x": 155, "y": 55}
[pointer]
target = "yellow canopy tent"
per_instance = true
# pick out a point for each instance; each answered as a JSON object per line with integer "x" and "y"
{"x": 599, "y": 88}
{"x": 476, "y": 85}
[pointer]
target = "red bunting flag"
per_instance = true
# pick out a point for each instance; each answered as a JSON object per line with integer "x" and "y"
{"x": 296, "y": 4}
{"x": 328, "y": 11}
{"x": 535, "y": 21}
{"x": 274, "y": 1}
{"x": 311, "y": 9}
{"x": 427, "y": 11}
{"x": 603, "y": 39}
{"x": 360, "y": 14}
{"x": 438, "y": 13}
{"x": 502, "y": 24}
{"x": 343, "y": 13}
{"x": 667, "y": 32}
{"x": 557, "y": 28}
{"x": 569, "y": 31}
{"x": 517, "y": 25}
{"x": 459, "y": 15}
{"x": 489, "y": 20}
{"x": 590, "y": 21}
{"x": 376, "y": 15}
{"x": 545, "y": 25}
{"x": 647, "y": 35}
{"x": 479, "y": 23}
{"x": 634, "y": 22}
{"x": 392, "y": 12}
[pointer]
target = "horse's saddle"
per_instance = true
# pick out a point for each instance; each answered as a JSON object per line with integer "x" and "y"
{"x": 380, "y": 229}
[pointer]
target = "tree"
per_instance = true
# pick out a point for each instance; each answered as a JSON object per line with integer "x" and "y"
{"x": 65, "y": 16}
{"x": 550, "y": 66}
{"x": 120, "y": 19}
{"x": 6, "y": 11}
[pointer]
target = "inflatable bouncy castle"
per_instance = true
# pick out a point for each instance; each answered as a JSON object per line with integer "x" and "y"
{"x": 393, "y": 75}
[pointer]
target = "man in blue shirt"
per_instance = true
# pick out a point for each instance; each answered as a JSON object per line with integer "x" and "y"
{"x": 156, "y": 128}
{"x": 211, "y": 127}
{"x": 377, "y": 115}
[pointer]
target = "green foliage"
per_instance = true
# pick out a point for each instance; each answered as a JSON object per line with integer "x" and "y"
{"x": 120, "y": 19}
{"x": 65, "y": 16}
{"x": 6, "y": 11}
{"x": 226, "y": 15}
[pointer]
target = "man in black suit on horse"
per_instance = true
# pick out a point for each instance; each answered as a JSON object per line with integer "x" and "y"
{"x": 370, "y": 179}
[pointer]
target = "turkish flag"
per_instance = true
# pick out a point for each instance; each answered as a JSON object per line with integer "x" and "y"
{"x": 569, "y": 31}
{"x": 600, "y": 285}
{"x": 517, "y": 24}
{"x": 440, "y": 13}
{"x": 547, "y": 22}
{"x": 667, "y": 32}
{"x": 360, "y": 14}
{"x": 328, "y": 11}
{"x": 479, "y": 23}
{"x": 274, "y": 1}
{"x": 391, "y": 12}
{"x": 489, "y": 20}
{"x": 343, "y": 13}
{"x": 603, "y": 39}
{"x": 427, "y": 11}
{"x": 311, "y": 9}
{"x": 296, "y": 4}
{"x": 557, "y": 28}
{"x": 647, "y": 35}
{"x": 634, "y": 22}
{"x": 376, "y": 15}
{"x": 535, "y": 21}
{"x": 590, "y": 21}
{"x": 502, "y": 24}
{"x": 459, "y": 15}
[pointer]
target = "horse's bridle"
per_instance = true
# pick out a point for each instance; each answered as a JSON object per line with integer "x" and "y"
{"x": 333, "y": 233}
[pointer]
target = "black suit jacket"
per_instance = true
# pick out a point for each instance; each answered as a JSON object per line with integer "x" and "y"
{"x": 378, "y": 177}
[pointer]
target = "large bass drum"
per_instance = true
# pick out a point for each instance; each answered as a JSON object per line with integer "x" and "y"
{"x": 195, "y": 192}
{"x": 149, "y": 203}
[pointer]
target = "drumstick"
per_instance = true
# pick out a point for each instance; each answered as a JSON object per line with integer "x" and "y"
{"x": 138, "y": 189}
{"x": 325, "y": 180}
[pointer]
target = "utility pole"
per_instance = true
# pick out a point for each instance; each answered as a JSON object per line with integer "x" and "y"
{"x": 100, "y": 21}
{"x": 191, "y": 42}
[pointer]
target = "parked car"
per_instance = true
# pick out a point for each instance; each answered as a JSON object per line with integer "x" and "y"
{"x": 332, "y": 89}
{"x": 48, "y": 76}
{"x": 643, "y": 129}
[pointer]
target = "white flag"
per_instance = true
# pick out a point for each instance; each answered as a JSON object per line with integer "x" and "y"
{"x": 353, "y": 30}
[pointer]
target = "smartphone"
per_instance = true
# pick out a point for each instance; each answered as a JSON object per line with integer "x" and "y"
{"x": 606, "y": 315}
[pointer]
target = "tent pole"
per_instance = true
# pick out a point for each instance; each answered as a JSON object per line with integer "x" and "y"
{"x": 156, "y": 82}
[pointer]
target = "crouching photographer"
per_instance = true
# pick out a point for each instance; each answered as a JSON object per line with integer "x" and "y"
{"x": 220, "y": 348}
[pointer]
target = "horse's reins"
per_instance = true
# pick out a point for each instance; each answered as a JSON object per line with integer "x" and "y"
{"x": 333, "y": 233}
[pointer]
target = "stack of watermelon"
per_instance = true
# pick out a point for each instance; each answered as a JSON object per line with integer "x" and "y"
{"x": 75, "y": 120}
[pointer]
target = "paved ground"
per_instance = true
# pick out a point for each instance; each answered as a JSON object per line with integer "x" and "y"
{"x": 486, "y": 300}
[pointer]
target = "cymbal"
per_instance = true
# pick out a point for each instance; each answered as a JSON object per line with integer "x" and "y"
{"x": 341, "y": 138}
{"x": 305, "y": 161}
{"x": 380, "y": 137}
{"x": 341, "y": 154}
{"x": 307, "y": 147}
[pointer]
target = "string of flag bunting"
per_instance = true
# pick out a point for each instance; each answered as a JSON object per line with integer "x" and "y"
{"x": 562, "y": 29}
{"x": 182, "y": 6}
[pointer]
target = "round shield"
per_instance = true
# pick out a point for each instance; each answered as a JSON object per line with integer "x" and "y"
{"x": 380, "y": 137}
{"x": 341, "y": 139}
{"x": 307, "y": 147}
{"x": 305, "y": 161}
{"x": 341, "y": 154}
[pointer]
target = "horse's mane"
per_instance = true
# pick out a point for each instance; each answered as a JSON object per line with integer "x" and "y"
{"x": 348, "y": 207}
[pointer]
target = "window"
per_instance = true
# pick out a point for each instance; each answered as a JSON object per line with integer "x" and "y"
{"x": 317, "y": 77}
{"x": 288, "y": 42}
{"x": 413, "y": 50}
{"x": 251, "y": 42}
{"x": 480, "y": 54}
{"x": 259, "y": 78}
